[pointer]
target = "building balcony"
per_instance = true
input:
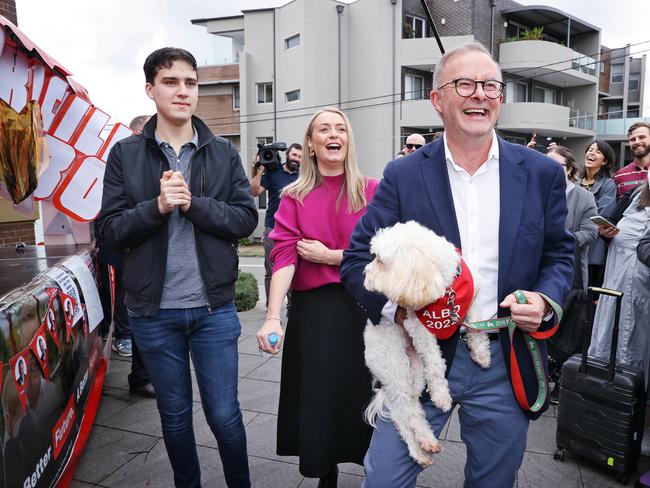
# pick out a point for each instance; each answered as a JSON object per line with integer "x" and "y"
{"x": 548, "y": 62}
{"x": 419, "y": 113}
{"x": 616, "y": 129}
{"x": 423, "y": 53}
{"x": 546, "y": 118}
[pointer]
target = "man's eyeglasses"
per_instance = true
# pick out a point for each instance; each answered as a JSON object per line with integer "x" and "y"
{"x": 465, "y": 87}
{"x": 411, "y": 146}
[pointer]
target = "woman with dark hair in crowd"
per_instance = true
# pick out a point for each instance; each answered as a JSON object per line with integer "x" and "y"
{"x": 596, "y": 177}
{"x": 581, "y": 207}
{"x": 325, "y": 385}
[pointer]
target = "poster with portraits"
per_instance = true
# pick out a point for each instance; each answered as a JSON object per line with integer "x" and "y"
{"x": 18, "y": 369}
{"x": 88, "y": 286}
{"x": 68, "y": 287}
{"x": 49, "y": 318}
{"x": 53, "y": 375}
{"x": 39, "y": 348}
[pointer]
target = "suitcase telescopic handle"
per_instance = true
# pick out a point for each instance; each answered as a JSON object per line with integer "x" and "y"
{"x": 618, "y": 295}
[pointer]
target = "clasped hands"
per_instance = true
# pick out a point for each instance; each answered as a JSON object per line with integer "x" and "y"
{"x": 174, "y": 192}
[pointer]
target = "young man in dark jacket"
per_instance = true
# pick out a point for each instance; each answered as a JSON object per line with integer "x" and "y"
{"x": 176, "y": 198}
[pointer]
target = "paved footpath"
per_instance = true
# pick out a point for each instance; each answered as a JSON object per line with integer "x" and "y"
{"x": 126, "y": 448}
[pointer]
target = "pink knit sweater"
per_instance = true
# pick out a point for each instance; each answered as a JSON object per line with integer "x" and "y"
{"x": 316, "y": 218}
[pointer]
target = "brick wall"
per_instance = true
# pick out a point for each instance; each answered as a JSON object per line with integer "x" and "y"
{"x": 218, "y": 73}
{"x": 457, "y": 15}
{"x": 13, "y": 232}
{"x": 604, "y": 77}
{"x": 216, "y": 111}
{"x": 8, "y": 9}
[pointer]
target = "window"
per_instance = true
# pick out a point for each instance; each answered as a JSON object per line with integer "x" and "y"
{"x": 291, "y": 42}
{"x": 413, "y": 87}
{"x": 414, "y": 27}
{"x": 235, "y": 97}
{"x": 634, "y": 80}
{"x": 632, "y": 113}
{"x": 265, "y": 93}
{"x": 602, "y": 67}
{"x": 265, "y": 140}
{"x": 293, "y": 96}
{"x": 538, "y": 94}
{"x": 615, "y": 110}
{"x": 543, "y": 94}
{"x": 618, "y": 70}
{"x": 516, "y": 140}
{"x": 516, "y": 91}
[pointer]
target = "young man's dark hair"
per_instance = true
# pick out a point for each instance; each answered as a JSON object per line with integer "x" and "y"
{"x": 164, "y": 58}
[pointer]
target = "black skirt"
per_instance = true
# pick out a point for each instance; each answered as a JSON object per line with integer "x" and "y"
{"x": 325, "y": 384}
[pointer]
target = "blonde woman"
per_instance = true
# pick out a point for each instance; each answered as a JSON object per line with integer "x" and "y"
{"x": 325, "y": 385}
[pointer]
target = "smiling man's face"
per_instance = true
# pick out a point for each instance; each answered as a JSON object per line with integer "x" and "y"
{"x": 467, "y": 117}
{"x": 175, "y": 92}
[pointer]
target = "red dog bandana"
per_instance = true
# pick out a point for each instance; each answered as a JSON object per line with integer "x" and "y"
{"x": 439, "y": 317}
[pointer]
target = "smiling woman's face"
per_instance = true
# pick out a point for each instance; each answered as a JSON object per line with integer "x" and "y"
{"x": 594, "y": 158}
{"x": 329, "y": 142}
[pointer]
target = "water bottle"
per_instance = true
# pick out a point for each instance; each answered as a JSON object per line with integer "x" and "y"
{"x": 273, "y": 340}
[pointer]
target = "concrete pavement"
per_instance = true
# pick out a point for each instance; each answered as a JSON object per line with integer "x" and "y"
{"x": 126, "y": 448}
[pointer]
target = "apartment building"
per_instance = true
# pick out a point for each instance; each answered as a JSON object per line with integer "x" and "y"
{"x": 218, "y": 104}
{"x": 620, "y": 96}
{"x": 375, "y": 59}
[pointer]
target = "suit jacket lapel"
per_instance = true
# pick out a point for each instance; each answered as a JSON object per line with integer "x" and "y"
{"x": 436, "y": 181}
{"x": 513, "y": 177}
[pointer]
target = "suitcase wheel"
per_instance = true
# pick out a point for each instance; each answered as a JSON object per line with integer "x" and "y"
{"x": 623, "y": 478}
{"x": 559, "y": 455}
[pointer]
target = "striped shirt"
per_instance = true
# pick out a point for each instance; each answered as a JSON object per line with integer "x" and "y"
{"x": 629, "y": 177}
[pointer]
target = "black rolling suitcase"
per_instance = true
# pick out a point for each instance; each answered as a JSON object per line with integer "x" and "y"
{"x": 602, "y": 406}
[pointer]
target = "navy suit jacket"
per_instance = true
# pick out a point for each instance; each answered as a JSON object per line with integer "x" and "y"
{"x": 535, "y": 251}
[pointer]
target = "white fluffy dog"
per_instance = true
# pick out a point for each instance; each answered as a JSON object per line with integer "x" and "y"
{"x": 413, "y": 267}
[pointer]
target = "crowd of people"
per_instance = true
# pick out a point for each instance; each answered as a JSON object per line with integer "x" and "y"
{"x": 522, "y": 220}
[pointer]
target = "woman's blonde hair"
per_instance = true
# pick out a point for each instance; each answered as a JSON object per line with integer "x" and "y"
{"x": 354, "y": 185}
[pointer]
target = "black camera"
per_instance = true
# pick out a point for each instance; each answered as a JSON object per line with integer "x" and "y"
{"x": 269, "y": 154}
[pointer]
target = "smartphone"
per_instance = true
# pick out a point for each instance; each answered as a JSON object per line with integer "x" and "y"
{"x": 598, "y": 220}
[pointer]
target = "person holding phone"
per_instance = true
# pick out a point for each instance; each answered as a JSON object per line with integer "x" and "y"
{"x": 595, "y": 177}
{"x": 626, "y": 273}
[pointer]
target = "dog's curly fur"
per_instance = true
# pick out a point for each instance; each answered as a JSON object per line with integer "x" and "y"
{"x": 413, "y": 267}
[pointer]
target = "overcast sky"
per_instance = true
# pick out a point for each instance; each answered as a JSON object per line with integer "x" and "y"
{"x": 105, "y": 43}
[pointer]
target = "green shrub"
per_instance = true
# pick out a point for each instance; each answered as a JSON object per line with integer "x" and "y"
{"x": 246, "y": 292}
{"x": 244, "y": 241}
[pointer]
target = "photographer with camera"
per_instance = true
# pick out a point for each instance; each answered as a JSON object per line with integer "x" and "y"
{"x": 270, "y": 175}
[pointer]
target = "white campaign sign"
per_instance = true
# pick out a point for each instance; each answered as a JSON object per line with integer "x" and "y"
{"x": 89, "y": 289}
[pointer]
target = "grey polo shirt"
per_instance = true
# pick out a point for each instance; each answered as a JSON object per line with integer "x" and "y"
{"x": 183, "y": 286}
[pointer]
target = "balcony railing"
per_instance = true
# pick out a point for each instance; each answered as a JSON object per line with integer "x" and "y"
{"x": 581, "y": 119}
{"x": 585, "y": 64}
{"x": 618, "y": 126}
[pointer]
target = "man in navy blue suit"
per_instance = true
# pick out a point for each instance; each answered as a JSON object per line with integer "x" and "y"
{"x": 504, "y": 206}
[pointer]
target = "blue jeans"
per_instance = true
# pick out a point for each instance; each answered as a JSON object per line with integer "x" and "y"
{"x": 165, "y": 343}
{"x": 492, "y": 426}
